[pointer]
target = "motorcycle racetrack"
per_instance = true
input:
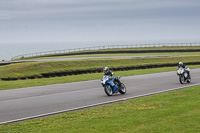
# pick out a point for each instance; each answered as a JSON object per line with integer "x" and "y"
{"x": 32, "y": 102}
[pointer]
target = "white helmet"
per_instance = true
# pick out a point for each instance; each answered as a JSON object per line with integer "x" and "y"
{"x": 180, "y": 63}
{"x": 105, "y": 69}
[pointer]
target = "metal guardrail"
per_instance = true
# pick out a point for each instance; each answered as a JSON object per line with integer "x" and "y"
{"x": 102, "y": 48}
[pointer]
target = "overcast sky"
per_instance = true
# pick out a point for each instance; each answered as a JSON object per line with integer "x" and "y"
{"x": 99, "y": 20}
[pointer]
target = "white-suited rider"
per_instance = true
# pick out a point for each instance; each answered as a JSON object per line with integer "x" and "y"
{"x": 181, "y": 64}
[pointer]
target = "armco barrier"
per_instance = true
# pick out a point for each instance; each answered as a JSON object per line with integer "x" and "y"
{"x": 120, "y": 52}
{"x": 97, "y": 70}
{"x": 109, "y": 47}
{"x": 107, "y": 52}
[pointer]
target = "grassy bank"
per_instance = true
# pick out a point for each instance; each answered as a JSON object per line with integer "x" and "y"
{"x": 4, "y": 85}
{"x": 118, "y": 54}
{"x": 176, "y": 111}
{"x": 36, "y": 68}
{"x": 124, "y": 49}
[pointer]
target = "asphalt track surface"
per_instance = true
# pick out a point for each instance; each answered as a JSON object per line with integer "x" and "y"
{"x": 24, "y": 103}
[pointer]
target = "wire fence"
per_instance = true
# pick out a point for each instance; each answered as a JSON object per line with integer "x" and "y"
{"x": 102, "y": 48}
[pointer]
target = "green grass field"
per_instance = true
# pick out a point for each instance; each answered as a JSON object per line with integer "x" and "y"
{"x": 119, "y": 49}
{"x": 173, "y": 112}
{"x": 118, "y": 54}
{"x": 36, "y": 68}
{"x": 176, "y": 111}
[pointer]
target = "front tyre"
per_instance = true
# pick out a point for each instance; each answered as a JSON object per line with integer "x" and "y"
{"x": 108, "y": 91}
{"x": 181, "y": 79}
{"x": 122, "y": 88}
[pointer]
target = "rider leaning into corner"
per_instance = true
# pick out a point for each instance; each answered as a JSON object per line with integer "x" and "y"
{"x": 181, "y": 64}
{"x": 108, "y": 72}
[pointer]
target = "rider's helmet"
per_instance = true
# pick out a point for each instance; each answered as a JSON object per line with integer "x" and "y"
{"x": 105, "y": 69}
{"x": 180, "y": 64}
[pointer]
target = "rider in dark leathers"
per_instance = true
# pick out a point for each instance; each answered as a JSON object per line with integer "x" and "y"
{"x": 108, "y": 72}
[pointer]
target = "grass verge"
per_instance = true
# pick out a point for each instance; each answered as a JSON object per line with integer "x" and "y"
{"x": 4, "y": 85}
{"x": 176, "y": 111}
{"x": 123, "y": 49}
{"x": 36, "y": 68}
{"x": 118, "y": 54}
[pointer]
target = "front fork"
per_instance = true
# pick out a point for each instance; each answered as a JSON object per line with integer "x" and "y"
{"x": 114, "y": 86}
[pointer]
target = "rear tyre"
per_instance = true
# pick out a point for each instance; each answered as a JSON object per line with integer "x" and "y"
{"x": 181, "y": 79}
{"x": 109, "y": 92}
{"x": 122, "y": 88}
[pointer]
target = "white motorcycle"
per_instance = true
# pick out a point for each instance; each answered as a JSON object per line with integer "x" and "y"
{"x": 183, "y": 75}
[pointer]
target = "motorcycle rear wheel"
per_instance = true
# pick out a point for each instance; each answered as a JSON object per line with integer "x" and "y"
{"x": 122, "y": 88}
{"x": 107, "y": 91}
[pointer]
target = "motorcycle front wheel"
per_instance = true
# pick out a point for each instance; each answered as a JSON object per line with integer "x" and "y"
{"x": 181, "y": 79}
{"x": 108, "y": 91}
{"x": 122, "y": 88}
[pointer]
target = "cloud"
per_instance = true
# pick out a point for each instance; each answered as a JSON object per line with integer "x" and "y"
{"x": 36, "y": 9}
{"x": 97, "y": 19}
